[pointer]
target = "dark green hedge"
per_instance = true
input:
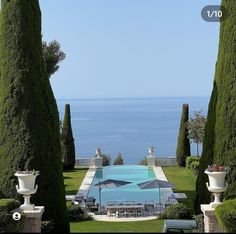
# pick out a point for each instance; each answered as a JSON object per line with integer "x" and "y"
{"x": 68, "y": 153}
{"x": 176, "y": 211}
{"x": 7, "y": 224}
{"x": 226, "y": 215}
{"x": 183, "y": 146}
{"x": 29, "y": 120}
{"x": 219, "y": 146}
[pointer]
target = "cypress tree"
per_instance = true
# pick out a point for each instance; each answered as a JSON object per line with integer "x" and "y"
{"x": 68, "y": 154}
{"x": 219, "y": 146}
{"x": 183, "y": 147}
{"x": 29, "y": 121}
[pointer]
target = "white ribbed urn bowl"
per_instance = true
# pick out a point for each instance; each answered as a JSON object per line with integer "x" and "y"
{"x": 26, "y": 187}
{"x": 216, "y": 185}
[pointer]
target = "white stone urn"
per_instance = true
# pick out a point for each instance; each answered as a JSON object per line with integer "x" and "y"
{"x": 151, "y": 151}
{"x": 98, "y": 152}
{"x": 26, "y": 187}
{"x": 216, "y": 185}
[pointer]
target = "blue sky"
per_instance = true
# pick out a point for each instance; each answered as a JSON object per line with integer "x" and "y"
{"x": 131, "y": 48}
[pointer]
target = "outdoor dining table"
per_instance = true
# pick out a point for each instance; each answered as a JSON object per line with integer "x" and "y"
{"x": 125, "y": 210}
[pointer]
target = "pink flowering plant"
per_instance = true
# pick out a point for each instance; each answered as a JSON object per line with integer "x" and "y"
{"x": 27, "y": 172}
{"x": 216, "y": 168}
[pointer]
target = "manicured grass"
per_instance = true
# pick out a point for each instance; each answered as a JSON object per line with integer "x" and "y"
{"x": 97, "y": 226}
{"x": 184, "y": 181}
{"x": 73, "y": 180}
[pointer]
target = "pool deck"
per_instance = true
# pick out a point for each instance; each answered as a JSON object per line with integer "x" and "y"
{"x": 159, "y": 173}
{"x": 87, "y": 181}
{"x": 114, "y": 219}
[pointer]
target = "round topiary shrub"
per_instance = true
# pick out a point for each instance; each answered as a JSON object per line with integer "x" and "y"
{"x": 226, "y": 215}
{"x": 176, "y": 211}
{"x": 75, "y": 213}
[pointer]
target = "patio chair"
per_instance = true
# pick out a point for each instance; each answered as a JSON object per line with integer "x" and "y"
{"x": 130, "y": 203}
{"x": 149, "y": 207}
{"x": 90, "y": 201}
{"x": 111, "y": 203}
{"x": 79, "y": 198}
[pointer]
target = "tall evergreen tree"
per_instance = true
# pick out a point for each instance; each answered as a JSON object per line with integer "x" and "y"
{"x": 219, "y": 145}
{"x": 68, "y": 153}
{"x": 29, "y": 122}
{"x": 183, "y": 147}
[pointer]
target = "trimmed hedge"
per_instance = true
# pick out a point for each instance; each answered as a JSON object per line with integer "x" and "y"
{"x": 176, "y": 211}
{"x": 7, "y": 224}
{"x": 219, "y": 145}
{"x": 226, "y": 215}
{"x": 29, "y": 120}
{"x": 9, "y": 204}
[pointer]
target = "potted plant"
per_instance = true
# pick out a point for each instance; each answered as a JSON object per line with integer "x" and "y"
{"x": 26, "y": 187}
{"x": 217, "y": 185}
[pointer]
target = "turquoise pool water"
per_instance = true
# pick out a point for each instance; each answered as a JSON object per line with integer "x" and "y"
{"x": 129, "y": 192}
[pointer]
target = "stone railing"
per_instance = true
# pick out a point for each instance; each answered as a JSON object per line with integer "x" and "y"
{"x": 166, "y": 162}
{"x": 84, "y": 162}
{"x": 88, "y": 162}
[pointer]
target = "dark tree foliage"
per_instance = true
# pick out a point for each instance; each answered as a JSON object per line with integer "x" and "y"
{"x": 183, "y": 147}
{"x": 29, "y": 122}
{"x": 52, "y": 55}
{"x": 119, "y": 160}
{"x": 68, "y": 146}
{"x": 106, "y": 160}
{"x": 219, "y": 146}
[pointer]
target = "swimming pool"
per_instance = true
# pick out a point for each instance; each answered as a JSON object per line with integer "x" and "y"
{"x": 130, "y": 192}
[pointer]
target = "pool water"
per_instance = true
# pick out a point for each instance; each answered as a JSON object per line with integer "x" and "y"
{"x": 129, "y": 192}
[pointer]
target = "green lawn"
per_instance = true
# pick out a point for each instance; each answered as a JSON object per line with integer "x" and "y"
{"x": 182, "y": 178}
{"x": 73, "y": 180}
{"x": 184, "y": 181}
{"x": 97, "y": 226}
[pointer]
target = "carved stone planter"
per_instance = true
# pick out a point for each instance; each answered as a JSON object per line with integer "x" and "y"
{"x": 216, "y": 185}
{"x": 26, "y": 188}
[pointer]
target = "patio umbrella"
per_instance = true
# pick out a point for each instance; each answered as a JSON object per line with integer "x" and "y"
{"x": 109, "y": 184}
{"x": 152, "y": 184}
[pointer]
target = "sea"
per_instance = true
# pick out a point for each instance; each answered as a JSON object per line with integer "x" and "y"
{"x": 129, "y": 125}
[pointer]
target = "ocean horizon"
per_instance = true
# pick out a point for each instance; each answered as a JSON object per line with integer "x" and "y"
{"x": 129, "y": 125}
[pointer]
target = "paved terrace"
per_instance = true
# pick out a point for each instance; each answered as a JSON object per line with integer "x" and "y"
{"x": 87, "y": 181}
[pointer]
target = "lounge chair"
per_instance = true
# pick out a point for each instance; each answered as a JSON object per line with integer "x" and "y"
{"x": 79, "y": 198}
{"x": 90, "y": 201}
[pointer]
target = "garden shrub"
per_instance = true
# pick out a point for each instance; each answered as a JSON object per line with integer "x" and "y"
{"x": 75, "y": 213}
{"x": 191, "y": 159}
{"x": 200, "y": 223}
{"x": 194, "y": 167}
{"x": 226, "y": 215}
{"x": 176, "y": 211}
{"x": 143, "y": 162}
{"x": 47, "y": 226}
{"x": 9, "y": 204}
{"x": 7, "y": 223}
